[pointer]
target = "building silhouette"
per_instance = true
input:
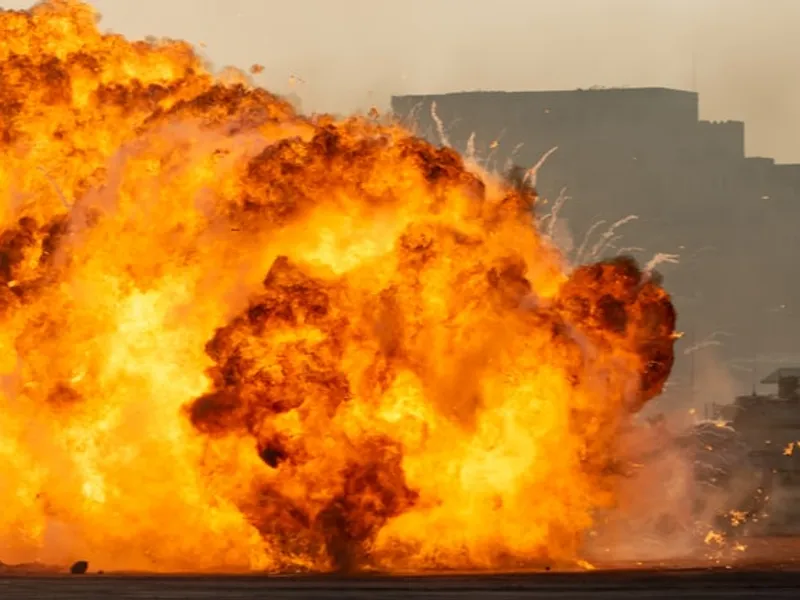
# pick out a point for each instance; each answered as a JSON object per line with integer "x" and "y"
{"x": 732, "y": 219}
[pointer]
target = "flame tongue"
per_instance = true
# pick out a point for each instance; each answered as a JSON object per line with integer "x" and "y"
{"x": 417, "y": 383}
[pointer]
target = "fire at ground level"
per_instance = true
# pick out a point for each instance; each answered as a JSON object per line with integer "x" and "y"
{"x": 751, "y": 553}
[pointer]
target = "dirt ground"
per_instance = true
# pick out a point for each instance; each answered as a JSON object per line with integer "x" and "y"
{"x": 693, "y": 585}
{"x": 770, "y": 568}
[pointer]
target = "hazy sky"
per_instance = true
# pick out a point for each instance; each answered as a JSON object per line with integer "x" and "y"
{"x": 743, "y": 56}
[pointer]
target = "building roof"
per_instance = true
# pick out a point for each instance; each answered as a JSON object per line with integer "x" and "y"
{"x": 783, "y": 373}
{"x": 596, "y": 90}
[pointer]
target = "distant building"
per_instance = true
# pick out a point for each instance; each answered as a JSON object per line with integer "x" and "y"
{"x": 770, "y": 425}
{"x": 788, "y": 382}
{"x": 732, "y": 219}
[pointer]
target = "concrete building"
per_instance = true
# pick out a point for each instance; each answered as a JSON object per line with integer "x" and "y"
{"x": 732, "y": 219}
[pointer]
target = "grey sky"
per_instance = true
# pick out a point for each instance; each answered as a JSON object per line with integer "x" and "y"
{"x": 354, "y": 53}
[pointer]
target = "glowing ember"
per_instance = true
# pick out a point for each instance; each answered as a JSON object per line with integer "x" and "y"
{"x": 714, "y": 537}
{"x": 235, "y": 337}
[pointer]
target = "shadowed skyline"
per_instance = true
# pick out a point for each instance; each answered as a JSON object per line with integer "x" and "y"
{"x": 740, "y": 55}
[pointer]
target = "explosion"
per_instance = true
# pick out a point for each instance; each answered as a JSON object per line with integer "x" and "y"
{"x": 234, "y": 337}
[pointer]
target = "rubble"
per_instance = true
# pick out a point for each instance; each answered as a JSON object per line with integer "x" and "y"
{"x": 79, "y": 568}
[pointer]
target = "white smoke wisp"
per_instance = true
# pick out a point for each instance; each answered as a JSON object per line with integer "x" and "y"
{"x": 709, "y": 341}
{"x": 470, "y": 153}
{"x": 660, "y": 258}
{"x": 440, "y": 130}
{"x": 608, "y": 236}
{"x": 586, "y": 237}
{"x": 532, "y": 174}
{"x": 551, "y": 217}
{"x": 510, "y": 160}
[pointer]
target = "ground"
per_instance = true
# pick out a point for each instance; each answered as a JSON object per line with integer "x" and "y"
{"x": 687, "y": 585}
{"x": 770, "y": 569}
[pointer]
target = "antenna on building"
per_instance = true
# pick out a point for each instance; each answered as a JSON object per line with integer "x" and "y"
{"x": 694, "y": 71}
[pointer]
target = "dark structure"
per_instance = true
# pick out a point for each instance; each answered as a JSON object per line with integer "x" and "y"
{"x": 770, "y": 426}
{"x": 788, "y": 381}
{"x": 733, "y": 220}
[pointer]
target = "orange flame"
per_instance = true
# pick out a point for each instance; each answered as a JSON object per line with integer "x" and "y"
{"x": 417, "y": 383}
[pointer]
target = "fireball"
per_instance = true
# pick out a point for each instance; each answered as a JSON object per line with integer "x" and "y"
{"x": 238, "y": 338}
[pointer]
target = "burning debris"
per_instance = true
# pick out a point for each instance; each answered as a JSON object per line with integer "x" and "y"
{"x": 79, "y": 568}
{"x": 239, "y": 338}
